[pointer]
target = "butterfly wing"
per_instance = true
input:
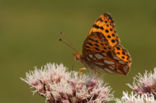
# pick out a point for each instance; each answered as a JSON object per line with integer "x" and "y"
{"x": 106, "y": 26}
{"x": 100, "y": 49}
{"x": 123, "y": 57}
{"x": 97, "y": 54}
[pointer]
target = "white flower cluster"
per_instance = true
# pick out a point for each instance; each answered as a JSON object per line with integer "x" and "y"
{"x": 145, "y": 84}
{"x": 135, "y": 98}
{"x": 59, "y": 86}
{"x": 144, "y": 87}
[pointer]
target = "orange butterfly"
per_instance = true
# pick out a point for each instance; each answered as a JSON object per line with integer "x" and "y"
{"x": 102, "y": 49}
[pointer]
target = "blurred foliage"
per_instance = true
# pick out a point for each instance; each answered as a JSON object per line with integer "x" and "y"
{"x": 29, "y": 32}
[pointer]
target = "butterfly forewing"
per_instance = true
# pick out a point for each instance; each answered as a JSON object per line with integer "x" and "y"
{"x": 96, "y": 42}
{"x": 106, "y": 26}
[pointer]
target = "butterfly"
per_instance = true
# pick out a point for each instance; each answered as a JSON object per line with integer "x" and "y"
{"x": 102, "y": 48}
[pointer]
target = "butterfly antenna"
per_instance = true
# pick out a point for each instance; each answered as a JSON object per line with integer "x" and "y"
{"x": 67, "y": 43}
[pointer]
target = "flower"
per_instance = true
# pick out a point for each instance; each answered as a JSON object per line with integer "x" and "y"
{"x": 59, "y": 86}
{"x": 144, "y": 83}
{"x": 135, "y": 98}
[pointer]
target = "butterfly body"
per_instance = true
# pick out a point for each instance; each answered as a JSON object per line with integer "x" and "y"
{"x": 102, "y": 48}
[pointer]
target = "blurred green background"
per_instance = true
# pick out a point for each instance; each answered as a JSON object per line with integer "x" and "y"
{"x": 29, "y": 32}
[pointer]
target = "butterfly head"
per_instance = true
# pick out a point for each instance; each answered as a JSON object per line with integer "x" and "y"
{"x": 77, "y": 55}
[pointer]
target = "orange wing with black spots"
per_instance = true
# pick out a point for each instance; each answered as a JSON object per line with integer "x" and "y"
{"x": 95, "y": 43}
{"x": 122, "y": 53}
{"x": 97, "y": 54}
{"x": 106, "y": 26}
{"x": 102, "y": 49}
